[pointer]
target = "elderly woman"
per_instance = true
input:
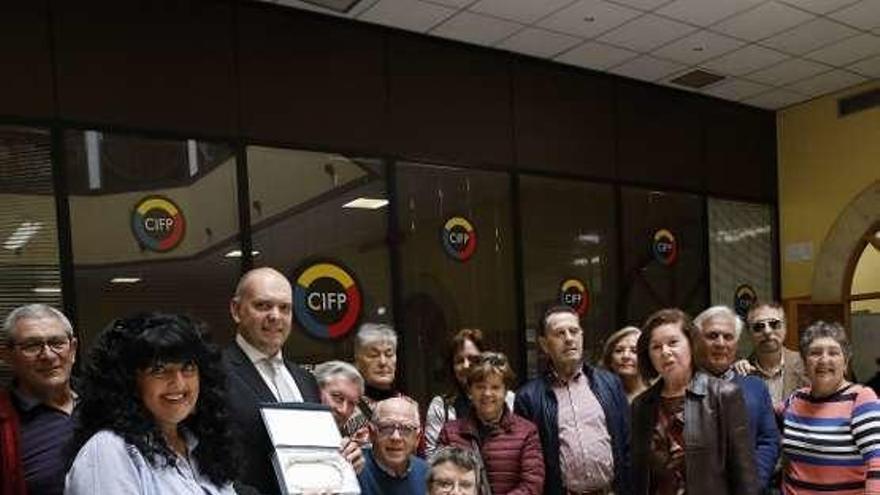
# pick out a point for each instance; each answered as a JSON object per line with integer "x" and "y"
{"x": 831, "y": 437}
{"x": 465, "y": 350}
{"x": 152, "y": 416}
{"x": 690, "y": 433}
{"x": 375, "y": 355}
{"x": 620, "y": 357}
{"x": 453, "y": 470}
{"x": 508, "y": 445}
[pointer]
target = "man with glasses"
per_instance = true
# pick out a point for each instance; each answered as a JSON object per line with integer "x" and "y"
{"x": 453, "y": 471}
{"x": 781, "y": 369}
{"x": 37, "y": 342}
{"x": 391, "y": 468}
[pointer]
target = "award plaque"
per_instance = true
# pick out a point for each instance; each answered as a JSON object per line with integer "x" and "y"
{"x": 306, "y": 450}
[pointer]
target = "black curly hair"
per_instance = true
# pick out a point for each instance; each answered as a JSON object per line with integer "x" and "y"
{"x": 109, "y": 397}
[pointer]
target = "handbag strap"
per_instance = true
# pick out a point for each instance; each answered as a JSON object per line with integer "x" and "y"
{"x": 482, "y": 474}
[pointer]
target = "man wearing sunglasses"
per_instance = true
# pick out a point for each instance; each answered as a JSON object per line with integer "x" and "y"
{"x": 780, "y": 368}
{"x": 37, "y": 342}
{"x": 391, "y": 468}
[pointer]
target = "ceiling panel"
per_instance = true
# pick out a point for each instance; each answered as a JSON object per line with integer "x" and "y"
{"x": 864, "y": 15}
{"x": 412, "y": 15}
{"x": 809, "y": 36}
{"x": 698, "y": 47}
{"x": 588, "y": 18}
{"x": 647, "y": 68}
{"x": 646, "y": 33}
{"x": 539, "y": 42}
{"x": 848, "y": 50}
{"x": 778, "y": 98}
{"x": 747, "y": 59}
{"x": 819, "y": 6}
{"x": 527, "y": 11}
{"x": 789, "y": 71}
{"x": 703, "y": 12}
{"x": 595, "y": 55}
{"x": 643, "y": 4}
{"x": 827, "y": 82}
{"x": 737, "y": 89}
{"x": 763, "y": 21}
{"x": 476, "y": 28}
{"x": 869, "y": 67}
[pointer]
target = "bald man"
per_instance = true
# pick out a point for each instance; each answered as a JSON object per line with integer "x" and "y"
{"x": 257, "y": 371}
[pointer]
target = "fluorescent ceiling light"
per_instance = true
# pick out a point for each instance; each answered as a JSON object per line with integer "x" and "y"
{"x": 22, "y": 235}
{"x": 236, "y": 253}
{"x": 125, "y": 280}
{"x": 46, "y": 290}
{"x": 589, "y": 238}
{"x": 366, "y": 203}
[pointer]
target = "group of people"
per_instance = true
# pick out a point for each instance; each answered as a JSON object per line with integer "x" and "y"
{"x": 158, "y": 409}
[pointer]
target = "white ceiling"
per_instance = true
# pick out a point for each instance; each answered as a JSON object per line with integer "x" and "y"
{"x": 774, "y": 53}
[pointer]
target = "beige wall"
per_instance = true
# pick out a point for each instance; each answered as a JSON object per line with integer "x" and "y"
{"x": 824, "y": 163}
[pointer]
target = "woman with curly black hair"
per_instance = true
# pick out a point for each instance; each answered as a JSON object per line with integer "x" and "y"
{"x": 152, "y": 414}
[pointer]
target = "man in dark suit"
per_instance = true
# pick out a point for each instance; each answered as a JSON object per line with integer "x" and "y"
{"x": 258, "y": 373}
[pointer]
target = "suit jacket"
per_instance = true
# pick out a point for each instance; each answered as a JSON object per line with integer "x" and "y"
{"x": 246, "y": 390}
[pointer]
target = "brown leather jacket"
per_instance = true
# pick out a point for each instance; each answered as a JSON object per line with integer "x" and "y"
{"x": 719, "y": 456}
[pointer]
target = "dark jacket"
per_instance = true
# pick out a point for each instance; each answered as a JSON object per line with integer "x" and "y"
{"x": 536, "y": 402}
{"x": 511, "y": 452}
{"x": 11, "y": 470}
{"x": 719, "y": 456}
{"x": 246, "y": 390}
{"x": 762, "y": 426}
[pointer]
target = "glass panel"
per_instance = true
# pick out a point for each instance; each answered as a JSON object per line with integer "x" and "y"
{"x": 663, "y": 252}
{"x": 29, "y": 269}
{"x": 304, "y": 218}
{"x": 865, "y": 314}
{"x": 569, "y": 239}
{"x": 153, "y": 224}
{"x": 457, "y": 267}
{"x": 740, "y": 256}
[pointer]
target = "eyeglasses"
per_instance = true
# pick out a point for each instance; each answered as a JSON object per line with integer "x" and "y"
{"x": 773, "y": 323}
{"x": 449, "y": 486}
{"x": 388, "y": 429}
{"x": 33, "y": 348}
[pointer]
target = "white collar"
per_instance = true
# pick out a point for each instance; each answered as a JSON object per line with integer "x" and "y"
{"x": 255, "y": 355}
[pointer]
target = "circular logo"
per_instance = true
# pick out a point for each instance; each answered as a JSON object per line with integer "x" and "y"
{"x": 743, "y": 299}
{"x": 158, "y": 224}
{"x": 665, "y": 247}
{"x": 326, "y": 299}
{"x": 574, "y": 293}
{"x": 459, "y": 238}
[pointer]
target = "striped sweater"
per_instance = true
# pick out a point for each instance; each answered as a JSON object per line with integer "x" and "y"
{"x": 832, "y": 444}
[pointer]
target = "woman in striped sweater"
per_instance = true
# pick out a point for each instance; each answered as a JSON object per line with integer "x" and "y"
{"x": 831, "y": 437}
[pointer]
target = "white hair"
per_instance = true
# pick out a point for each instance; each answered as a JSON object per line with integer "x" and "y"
{"x": 33, "y": 312}
{"x": 720, "y": 311}
{"x": 374, "y": 333}
{"x": 325, "y": 372}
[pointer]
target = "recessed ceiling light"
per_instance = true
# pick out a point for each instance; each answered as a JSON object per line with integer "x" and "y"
{"x": 125, "y": 280}
{"x": 236, "y": 253}
{"x": 22, "y": 235}
{"x": 589, "y": 18}
{"x": 46, "y": 290}
{"x": 366, "y": 203}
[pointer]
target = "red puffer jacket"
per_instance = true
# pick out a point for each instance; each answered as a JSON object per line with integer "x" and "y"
{"x": 511, "y": 452}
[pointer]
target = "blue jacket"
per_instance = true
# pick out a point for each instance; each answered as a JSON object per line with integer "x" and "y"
{"x": 536, "y": 402}
{"x": 762, "y": 425}
{"x": 375, "y": 481}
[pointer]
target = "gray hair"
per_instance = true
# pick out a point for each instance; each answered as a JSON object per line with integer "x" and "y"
{"x": 720, "y": 311}
{"x": 821, "y": 329}
{"x": 33, "y": 312}
{"x": 374, "y": 333}
{"x": 459, "y": 457}
{"x": 324, "y": 372}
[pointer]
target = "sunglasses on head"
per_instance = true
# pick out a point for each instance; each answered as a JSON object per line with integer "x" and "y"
{"x": 773, "y": 324}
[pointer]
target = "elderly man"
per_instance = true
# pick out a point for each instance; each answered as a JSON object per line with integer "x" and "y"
{"x": 375, "y": 355}
{"x": 781, "y": 369}
{"x": 35, "y": 416}
{"x": 391, "y": 468}
{"x": 719, "y": 332}
{"x": 453, "y": 471}
{"x": 341, "y": 389}
{"x": 257, "y": 371}
{"x": 581, "y": 413}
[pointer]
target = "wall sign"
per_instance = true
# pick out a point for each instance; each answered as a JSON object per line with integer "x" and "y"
{"x": 743, "y": 298}
{"x": 326, "y": 299}
{"x": 574, "y": 293}
{"x": 459, "y": 238}
{"x": 158, "y": 224}
{"x": 665, "y": 247}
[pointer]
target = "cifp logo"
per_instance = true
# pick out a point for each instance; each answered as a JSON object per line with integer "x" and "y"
{"x": 743, "y": 299}
{"x": 459, "y": 238}
{"x": 665, "y": 247}
{"x": 574, "y": 293}
{"x": 158, "y": 224}
{"x": 327, "y": 299}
